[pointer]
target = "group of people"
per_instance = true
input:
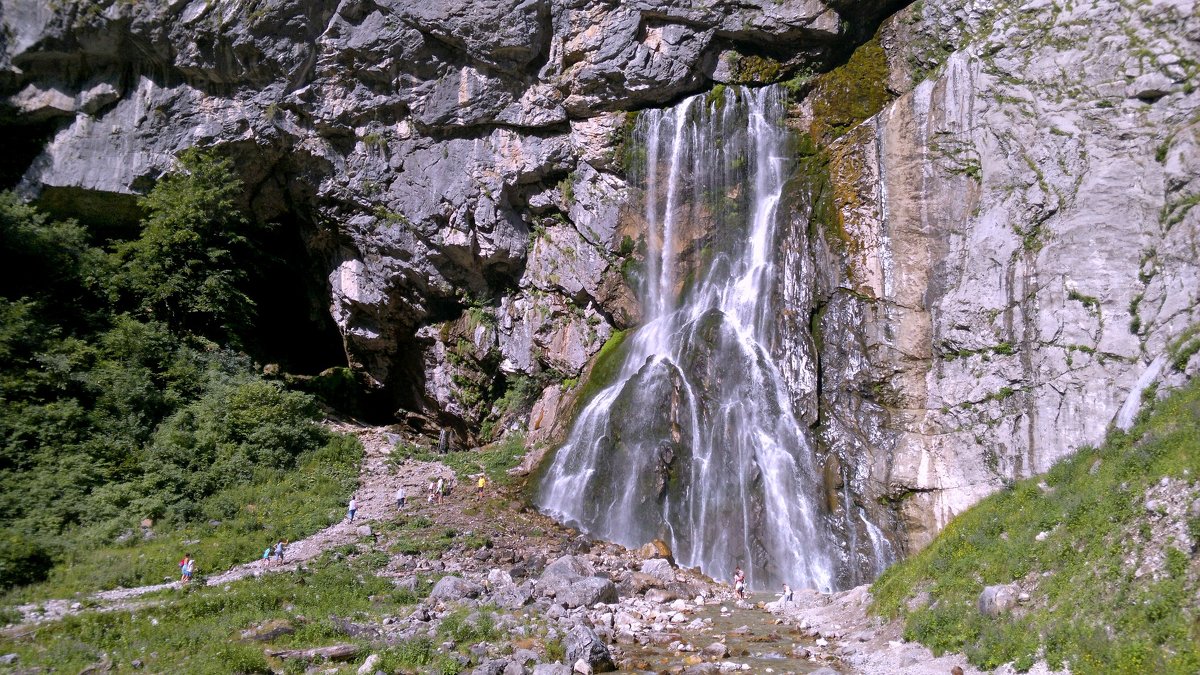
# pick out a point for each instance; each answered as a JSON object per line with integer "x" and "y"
{"x": 279, "y": 548}
{"x": 187, "y": 566}
{"x": 438, "y": 489}
{"x": 739, "y": 586}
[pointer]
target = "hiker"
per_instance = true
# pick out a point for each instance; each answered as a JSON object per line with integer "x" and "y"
{"x": 787, "y": 593}
{"x": 279, "y": 546}
{"x": 352, "y": 508}
{"x": 266, "y": 559}
{"x": 739, "y": 583}
{"x": 188, "y": 568}
{"x": 441, "y": 489}
{"x": 183, "y": 568}
{"x": 401, "y": 498}
{"x": 432, "y": 486}
{"x": 482, "y": 483}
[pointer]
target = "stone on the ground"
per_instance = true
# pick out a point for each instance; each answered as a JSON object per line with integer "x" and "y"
{"x": 716, "y": 650}
{"x": 9, "y": 659}
{"x": 568, "y": 566}
{"x": 331, "y": 653}
{"x": 660, "y": 569}
{"x": 368, "y": 666}
{"x": 582, "y": 644}
{"x": 453, "y": 589}
{"x": 364, "y": 531}
{"x": 269, "y": 631}
{"x": 583, "y": 668}
{"x": 587, "y": 592}
{"x": 995, "y": 600}
{"x": 551, "y": 669}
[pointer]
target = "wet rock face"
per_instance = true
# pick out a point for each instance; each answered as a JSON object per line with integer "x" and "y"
{"x": 442, "y": 158}
{"x": 1017, "y": 262}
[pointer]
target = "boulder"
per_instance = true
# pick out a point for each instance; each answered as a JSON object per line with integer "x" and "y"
{"x": 582, "y": 644}
{"x": 996, "y": 600}
{"x": 587, "y": 592}
{"x": 660, "y": 569}
{"x": 453, "y": 589}
{"x": 551, "y": 669}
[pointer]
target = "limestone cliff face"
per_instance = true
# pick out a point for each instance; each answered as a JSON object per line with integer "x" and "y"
{"x": 1008, "y": 260}
{"x": 455, "y": 166}
{"x": 1019, "y": 262}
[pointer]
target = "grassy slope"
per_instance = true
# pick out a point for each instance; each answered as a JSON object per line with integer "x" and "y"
{"x": 277, "y": 504}
{"x": 1087, "y": 609}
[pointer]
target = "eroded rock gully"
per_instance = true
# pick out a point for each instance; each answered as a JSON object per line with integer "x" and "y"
{"x": 996, "y": 267}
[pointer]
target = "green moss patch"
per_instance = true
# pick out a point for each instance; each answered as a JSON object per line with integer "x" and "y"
{"x": 850, "y": 93}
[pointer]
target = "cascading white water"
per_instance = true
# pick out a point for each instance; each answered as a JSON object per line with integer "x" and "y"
{"x": 695, "y": 441}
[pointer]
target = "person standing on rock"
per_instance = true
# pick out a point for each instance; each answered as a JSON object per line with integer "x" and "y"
{"x": 352, "y": 508}
{"x": 400, "y": 497}
{"x": 739, "y": 583}
{"x": 787, "y": 593}
{"x": 482, "y": 484}
{"x": 441, "y": 489}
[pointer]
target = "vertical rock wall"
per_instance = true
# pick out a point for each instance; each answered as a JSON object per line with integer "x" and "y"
{"x": 1017, "y": 256}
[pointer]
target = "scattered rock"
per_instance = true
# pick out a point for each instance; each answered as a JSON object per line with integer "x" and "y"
{"x": 9, "y": 659}
{"x": 331, "y": 653}
{"x": 364, "y": 531}
{"x": 716, "y": 650}
{"x": 582, "y": 644}
{"x": 995, "y": 600}
{"x": 368, "y": 666}
{"x": 453, "y": 589}
{"x": 269, "y": 631}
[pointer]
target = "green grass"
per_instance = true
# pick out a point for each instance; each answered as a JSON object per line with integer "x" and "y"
{"x": 494, "y": 460}
{"x": 275, "y": 505}
{"x": 197, "y": 630}
{"x": 1087, "y": 610}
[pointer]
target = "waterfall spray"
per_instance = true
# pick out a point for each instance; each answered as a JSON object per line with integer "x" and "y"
{"x": 695, "y": 441}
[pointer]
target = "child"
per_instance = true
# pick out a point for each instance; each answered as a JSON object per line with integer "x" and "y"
{"x": 183, "y": 564}
{"x": 482, "y": 483}
{"x": 266, "y": 559}
{"x": 188, "y": 568}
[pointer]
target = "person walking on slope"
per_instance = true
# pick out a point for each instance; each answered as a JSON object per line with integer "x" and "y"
{"x": 441, "y": 489}
{"x": 401, "y": 498}
{"x": 266, "y": 559}
{"x": 352, "y": 508}
{"x": 279, "y": 548}
{"x": 482, "y": 483}
{"x": 188, "y": 568}
{"x": 432, "y": 487}
{"x": 183, "y": 568}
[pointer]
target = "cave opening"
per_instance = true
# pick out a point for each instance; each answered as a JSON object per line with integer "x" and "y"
{"x": 293, "y": 328}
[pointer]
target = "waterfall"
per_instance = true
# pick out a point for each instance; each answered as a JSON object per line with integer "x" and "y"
{"x": 694, "y": 440}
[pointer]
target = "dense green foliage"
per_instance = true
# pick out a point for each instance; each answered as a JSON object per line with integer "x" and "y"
{"x": 122, "y": 396}
{"x": 1089, "y": 608}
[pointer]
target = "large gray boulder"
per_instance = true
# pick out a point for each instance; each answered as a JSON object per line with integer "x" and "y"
{"x": 587, "y": 592}
{"x": 582, "y": 644}
{"x": 453, "y": 589}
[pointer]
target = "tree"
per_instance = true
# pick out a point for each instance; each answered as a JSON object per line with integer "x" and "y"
{"x": 187, "y": 268}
